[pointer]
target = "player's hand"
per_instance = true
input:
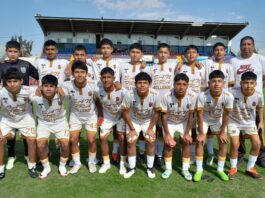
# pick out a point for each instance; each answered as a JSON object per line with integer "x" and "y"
{"x": 201, "y": 138}
{"x": 223, "y": 138}
{"x": 187, "y": 138}
{"x": 60, "y": 92}
{"x": 143, "y": 64}
{"x": 199, "y": 65}
{"x": 100, "y": 121}
{"x": 150, "y": 135}
{"x": 117, "y": 85}
{"x": 38, "y": 91}
{"x": 169, "y": 141}
{"x": 131, "y": 136}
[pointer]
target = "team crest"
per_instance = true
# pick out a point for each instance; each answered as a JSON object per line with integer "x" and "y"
{"x": 254, "y": 104}
{"x": 150, "y": 104}
{"x": 117, "y": 99}
{"x": 134, "y": 103}
{"x": 59, "y": 67}
{"x": 89, "y": 93}
{"x": 23, "y": 69}
{"x": 188, "y": 106}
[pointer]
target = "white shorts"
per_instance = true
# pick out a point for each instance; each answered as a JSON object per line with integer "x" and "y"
{"x": 60, "y": 130}
{"x": 177, "y": 128}
{"x": 108, "y": 125}
{"x": 25, "y": 126}
{"x": 76, "y": 124}
{"x": 214, "y": 127}
{"x": 234, "y": 130}
{"x": 140, "y": 127}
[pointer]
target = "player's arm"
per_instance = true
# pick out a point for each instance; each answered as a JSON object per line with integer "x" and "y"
{"x": 150, "y": 131}
{"x": 187, "y": 137}
{"x": 100, "y": 111}
{"x": 199, "y": 110}
{"x": 225, "y": 119}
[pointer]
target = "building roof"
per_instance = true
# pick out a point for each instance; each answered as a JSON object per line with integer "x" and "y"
{"x": 149, "y": 27}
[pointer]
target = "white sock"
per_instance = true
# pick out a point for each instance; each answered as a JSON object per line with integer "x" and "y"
{"x": 150, "y": 161}
{"x": 159, "y": 148}
{"x": 210, "y": 145}
{"x": 106, "y": 160}
{"x": 251, "y": 161}
{"x": 2, "y": 168}
{"x": 141, "y": 147}
{"x": 220, "y": 165}
{"x": 31, "y": 165}
{"x": 233, "y": 163}
{"x": 76, "y": 158}
{"x": 132, "y": 161}
{"x": 46, "y": 165}
{"x": 115, "y": 147}
{"x": 199, "y": 165}
{"x": 62, "y": 164}
{"x": 168, "y": 165}
{"x": 92, "y": 158}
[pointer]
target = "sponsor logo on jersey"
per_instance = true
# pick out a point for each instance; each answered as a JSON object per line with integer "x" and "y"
{"x": 5, "y": 100}
{"x": 244, "y": 68}
{"x": 171, "y": 104}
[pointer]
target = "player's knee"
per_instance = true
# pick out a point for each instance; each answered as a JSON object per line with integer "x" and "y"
{"x": 41, "y": 146}
{"x": 104, "y": 139}
{"x": 64, "y": 145}
{"x": 74, "y": 141}
{"x": 91, "y": 140}
{"x": 256, "y": 144}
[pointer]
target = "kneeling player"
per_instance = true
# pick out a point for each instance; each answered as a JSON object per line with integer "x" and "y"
{"x": 111, "y": 100}
{"x": 141, "y": 112}
{"x": 213, "y": 107}
{"x": 247, "y": 101}
{"x": 51, "y": 120}
{"x": 177, "y": 108}
{"x": 17, "y": 115}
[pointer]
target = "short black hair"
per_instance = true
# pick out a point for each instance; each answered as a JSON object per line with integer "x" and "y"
{"x": 163, "y": 45}
{"x": 49, "y": 79}
{"x": 13, "y": 44}
{"x": 219, "y": 44}
{"x": 50, "y": 43}
{"x": 80, "y": 48}
{"x": 247, "y": 38}
{"x": 136, "y": 46}
{"x": 106, "y": 41}
{"x": 181, "y": 76}
{"x": 143, "y": 76}
{"x": 78, "y": 65}
{"x": 192, "y": 47}
{"x": 216, "y": 74}
{"x": 107, "y": 70}
{"x": 249, "y": 76}
{"x": 12, "y": 73}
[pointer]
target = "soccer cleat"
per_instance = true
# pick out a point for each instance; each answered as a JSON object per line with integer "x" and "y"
{"x": 10, "y": 163}
{"x": 45, "y": 173}
{"x": 159, "y": 162}
{"x": 150, "y": 173}
{"x": 197, "y": 176}
{"x": 141, "y": 159}
{"x": 92, "y": 167}
{"x": 122, "y": 170}
{"x": 33, "y": 173}
{"x": 210, "y": 159}
{"x": 232, "y": 173}
{"x": 253, "y": 173}
{"x": 63, "y": 171}
{"x": 129, "y": 172}
{"x": 222, "y": 175}
{"x": 103, "y": 169}
{"x": 187, "y": 175}
{"x": 166, "y": 174}
{"x": 74, "y": 169}
{"x": 71, "y": 163}
{"x": 2, "y": 175}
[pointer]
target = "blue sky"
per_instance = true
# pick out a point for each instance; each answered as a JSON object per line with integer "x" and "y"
{"x": 17, "y": 17}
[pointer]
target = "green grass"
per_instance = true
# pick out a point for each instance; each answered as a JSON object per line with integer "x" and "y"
{"x": 18, "y": 183}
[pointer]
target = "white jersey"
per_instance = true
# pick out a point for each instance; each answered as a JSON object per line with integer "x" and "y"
{"x": 196, "y": 77}
{"x": 101, "y": 64}
{"x": 129, "y": 72}
{"x": 82, "y": 101}
{"x": 15, "y": 109}
{"x": 213, "y": 109}
{"x": 141, "y": 111}
{"x": 178, "y": 111}
{"x": 226, "y": 68}
{"x": 49, "y": 113}
{"x": 256, "y": 64}
{"x": 244, "y": 110}
{"x": 111, "y": 103}
{"x": 163, "y": 77}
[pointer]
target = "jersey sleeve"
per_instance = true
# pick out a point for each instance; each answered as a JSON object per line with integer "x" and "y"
{"x": 157, "y": 103}
{"x": 200, "y": 102}
{"x": 126, "y": 102}
{"x": 117, "y": 74}
{"x": 229, "y": 102}
{"x": 262, "y": 62}
{"x": 231, "y": 74}
{"x": 163, "y": 103}
{"x": 193, "y": 102}
{"x": 260, "y": 101}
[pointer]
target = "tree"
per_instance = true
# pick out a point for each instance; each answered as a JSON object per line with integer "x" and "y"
{"x": 26, "y": 46}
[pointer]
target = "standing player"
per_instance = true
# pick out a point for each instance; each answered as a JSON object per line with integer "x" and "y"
{"x": 177, "y": 107}
{"x": 28, "y": 70}
{"x": 50, "y": 64}
{"x": 51, "y": 120}
{"x": 17, "y": 116}
{"x": 111, "y": 100}
{"x": 163, "y": 77}
{"x": 218, "y": 63}
{"x": 243, "y": 118}
{"x": 213, "y": 109}
{"x": 141, "y": 112}
{"x": 83, "y": 111}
